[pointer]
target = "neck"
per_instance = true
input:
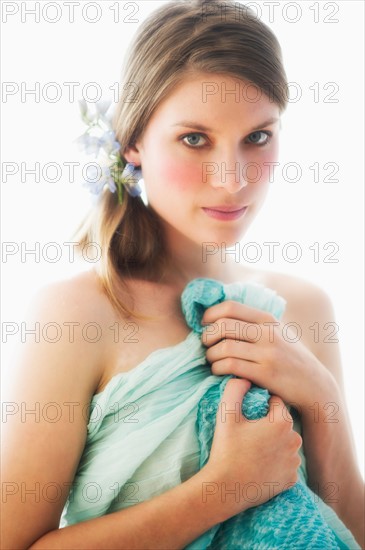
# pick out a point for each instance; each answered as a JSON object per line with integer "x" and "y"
{"x": 188, "y": 260}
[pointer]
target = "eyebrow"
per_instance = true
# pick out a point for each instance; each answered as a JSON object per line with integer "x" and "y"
{"x": 192, "y": 124}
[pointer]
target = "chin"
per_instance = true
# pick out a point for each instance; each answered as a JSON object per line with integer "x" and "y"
{"x": 220, "y": 239}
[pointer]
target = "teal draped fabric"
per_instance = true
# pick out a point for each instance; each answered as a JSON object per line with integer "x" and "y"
{"x": 147, "y": 432}
{"x": 290, "y": 519}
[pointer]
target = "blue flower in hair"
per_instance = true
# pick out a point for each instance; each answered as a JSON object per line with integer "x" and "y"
{"x": 100, "y": 142}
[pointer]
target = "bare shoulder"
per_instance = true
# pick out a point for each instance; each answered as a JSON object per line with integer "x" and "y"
{"x": 306, "y": 302}
{"x": 304, "y": 298}
{"x": 72, "y": 314}
{"x": 81, "y": 294}
{"x": 80, "y": 299}
{"x": 310, "y": 313}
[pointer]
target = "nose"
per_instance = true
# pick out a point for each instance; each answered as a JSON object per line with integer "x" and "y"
{"x": 228, "y": 173}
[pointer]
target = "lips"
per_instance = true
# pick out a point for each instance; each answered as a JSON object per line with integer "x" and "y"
{"x": 223, "y": 208}
{"x": 230, "y": 212}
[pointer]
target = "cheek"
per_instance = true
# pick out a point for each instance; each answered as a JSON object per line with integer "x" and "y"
{"x": 267, "y": 163}
{"x": 181, "y": 174}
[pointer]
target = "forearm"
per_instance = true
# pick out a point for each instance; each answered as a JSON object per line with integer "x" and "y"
{"x": 332, "y": 467}
{"x": 170, "y": 520}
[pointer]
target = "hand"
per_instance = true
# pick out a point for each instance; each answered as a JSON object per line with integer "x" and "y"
{"x": 253, "y": 344}
{"x": 259, "y": 459}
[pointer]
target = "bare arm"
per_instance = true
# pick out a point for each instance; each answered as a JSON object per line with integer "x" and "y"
{"x": 170, "y": 520}
{"x": 331, "y": 463}
{"x": 43, "y": 436}
{"x": 328, "y": 442}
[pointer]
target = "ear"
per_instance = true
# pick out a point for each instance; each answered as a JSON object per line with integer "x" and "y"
{"x": 132, "y": 154}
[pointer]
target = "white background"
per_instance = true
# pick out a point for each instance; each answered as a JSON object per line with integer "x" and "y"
{"x": 314, "y": 130}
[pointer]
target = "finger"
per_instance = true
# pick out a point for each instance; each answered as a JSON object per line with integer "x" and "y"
{"x": 230, "y": 405}
{"x": 236, "y": 310}
{"x": 278, "y": 411}
{"x": 234, "y": 349}
{"x": 248, "y": 370}
{"x": 232, "y": 329}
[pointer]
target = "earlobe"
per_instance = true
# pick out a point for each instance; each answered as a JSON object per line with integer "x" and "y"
{"x": 132, "y": 154}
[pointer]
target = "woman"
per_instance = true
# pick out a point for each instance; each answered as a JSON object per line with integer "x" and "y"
{"x": 202, "y": 150}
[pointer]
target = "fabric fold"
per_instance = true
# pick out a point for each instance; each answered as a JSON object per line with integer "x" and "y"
{"x": 143, "y": 431}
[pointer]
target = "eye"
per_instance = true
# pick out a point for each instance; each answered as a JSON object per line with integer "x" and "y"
{"x": 194, "y": 139}
{"x": 256, "y": 137}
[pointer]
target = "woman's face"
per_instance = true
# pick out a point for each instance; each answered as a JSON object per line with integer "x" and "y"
{"x": 208, "y": 145}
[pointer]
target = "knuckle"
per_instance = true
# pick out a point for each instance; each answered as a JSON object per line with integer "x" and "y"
{"x": 298, "y": 440}
{"x": 225, "y": 346}
{"x": 294, "y": 445}
{"x": 286, "y": 418}
{"x": 276, "y": 399}
{"x": 223, "y": 366}
{"x": 215, "y": 368}
{"x": 232, "y": 382}
{"x": 226, "y": 325}
{"x": 229, "y": 364}
{"x": 268, "y": 317}
{"x": 229, "y": 308}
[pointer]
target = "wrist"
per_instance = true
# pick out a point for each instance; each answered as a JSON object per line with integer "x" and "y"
{"x": 218, "y": 498}
{"x": 324, "y": 400}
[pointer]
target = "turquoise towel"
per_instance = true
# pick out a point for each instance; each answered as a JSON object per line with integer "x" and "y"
{"x": 142, "y": 436}
{"x": 290, "y": 519}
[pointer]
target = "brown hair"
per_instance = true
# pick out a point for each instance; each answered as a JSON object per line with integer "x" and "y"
{"x": 178, "y": 38}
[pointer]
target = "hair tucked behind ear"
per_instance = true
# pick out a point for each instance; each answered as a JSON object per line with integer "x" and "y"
{"x": 177, "y": 39}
